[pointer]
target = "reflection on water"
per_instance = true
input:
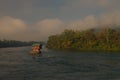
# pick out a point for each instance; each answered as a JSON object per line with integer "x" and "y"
{"x": 17, "y": 64}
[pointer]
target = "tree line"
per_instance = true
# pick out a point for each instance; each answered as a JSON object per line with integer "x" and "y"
{"x": 91, "y": 39}
{"x": 14, "y": 43}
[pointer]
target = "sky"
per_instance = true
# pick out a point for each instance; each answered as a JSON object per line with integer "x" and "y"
{"x": 34, "y": 20}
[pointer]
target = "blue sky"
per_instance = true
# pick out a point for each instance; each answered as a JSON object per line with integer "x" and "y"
{"x": 21, "y": 19}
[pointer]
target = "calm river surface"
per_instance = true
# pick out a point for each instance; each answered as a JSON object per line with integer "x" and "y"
{"x": 17, "y": 64}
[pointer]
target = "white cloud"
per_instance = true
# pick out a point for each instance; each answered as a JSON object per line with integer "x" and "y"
{"x": 17, "y": 29}
{"x": 87, "y": 23}
{"x": 49, "y": 27}
{"x": 10, "y": 25}
{"x": 110, "y": 18}
{"x": 11, "y": 28}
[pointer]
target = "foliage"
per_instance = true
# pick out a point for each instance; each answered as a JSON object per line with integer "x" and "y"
{"x": 103, "y": 39}
{"x": 13, "y": 43}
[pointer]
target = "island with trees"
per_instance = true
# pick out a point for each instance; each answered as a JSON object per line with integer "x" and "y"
{"x": 107, "y": 39}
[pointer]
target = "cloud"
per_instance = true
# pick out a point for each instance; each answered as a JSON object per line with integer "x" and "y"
{"x": 17, "y": 29}
{"x": 104, "y": 3}
{"x": 110, "y": 18}
{"x": 91, "y": 3}
{"x": 87, "y": 23}
{"x": 104, "y": 20}
{"x": 11, "y": 27}
{"x": 34, "y": 10}
{"x": 49, "y": 27}
{"x": 78, "y": 8}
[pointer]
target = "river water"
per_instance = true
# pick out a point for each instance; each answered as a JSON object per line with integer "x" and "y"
{"x": 17, "y": 64}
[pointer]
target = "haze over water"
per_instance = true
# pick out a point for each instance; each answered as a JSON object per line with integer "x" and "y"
{"x": 17, "y": 64}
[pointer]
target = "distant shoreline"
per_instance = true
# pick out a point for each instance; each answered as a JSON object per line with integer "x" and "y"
{"x": 14, "y": 43}
{"x": 13, "y": 47}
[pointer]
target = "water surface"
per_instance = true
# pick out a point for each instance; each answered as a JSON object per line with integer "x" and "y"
{"x": 17, "y": 64}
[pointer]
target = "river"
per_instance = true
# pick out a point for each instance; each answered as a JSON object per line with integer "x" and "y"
{"x": 17, "y": 64}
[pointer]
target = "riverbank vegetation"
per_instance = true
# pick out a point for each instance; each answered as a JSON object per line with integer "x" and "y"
{"x": 14, "y": 43}
{"x": 106, "y": 39}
